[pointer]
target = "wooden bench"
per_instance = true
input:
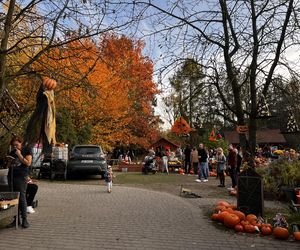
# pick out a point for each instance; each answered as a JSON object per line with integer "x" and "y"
{"x": 12, "y": 203}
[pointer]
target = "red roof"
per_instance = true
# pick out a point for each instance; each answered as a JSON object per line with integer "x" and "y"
{"x": 164, "y": 142}
{"x": 262, "y": 136}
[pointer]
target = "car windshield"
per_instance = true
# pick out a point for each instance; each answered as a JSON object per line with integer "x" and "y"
{"x": 87, "y": 150}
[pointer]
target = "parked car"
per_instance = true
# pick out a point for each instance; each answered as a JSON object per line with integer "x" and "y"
{"x": 87, "y": 159}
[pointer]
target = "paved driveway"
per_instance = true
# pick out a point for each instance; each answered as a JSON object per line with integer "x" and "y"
{"x": 73, "y": 216}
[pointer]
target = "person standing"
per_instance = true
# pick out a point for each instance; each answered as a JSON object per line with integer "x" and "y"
{"x": 31, "y": 191}
{"x": 232, "y": 163}
{"x": 239, "y": 159}
{"x": 203, "y": 157}
{"x": 18, "y": 174}
{"x": 108, "y": 178}
{"x": 221, "y": 161}
{"x": 195, "y": 160}
{"x": 187, "y": 159}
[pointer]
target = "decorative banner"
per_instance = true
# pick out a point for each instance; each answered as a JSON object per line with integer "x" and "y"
{"x": 212, "y": 136}
{"x": 242, "y": 129}
{"x": 181, "y": 127}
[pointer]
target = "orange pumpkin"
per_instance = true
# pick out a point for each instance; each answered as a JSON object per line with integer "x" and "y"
{"x": 245, "y": 222}
{"x": 297, "y": 236}
{"x": 258, "y": 225}
{"x": 250, "y": 217}
{"x": 232, "y": 207}
{"x": 266, "y": 225}
{"x": 229, "y": 210}
{"x": 215, "y": 216}
{"x": 249, "y": 228}
{"x": 231, "y": 220}
{"x": 223, "y": 203}
{"x": 266, "y": 230}
{"x": 253, "y": 222}
{"x": 49, "y": 84}
{"x": 239, "y": 228}
{"x": 222, "y": 215}
{"x": 219, "y": 208}
{"x": 240, "y": 214}
{"x": 281, "y": 233}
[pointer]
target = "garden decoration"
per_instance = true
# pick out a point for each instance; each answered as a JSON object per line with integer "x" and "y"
{"x": 291, "y": 125}
{"x": 41, "y": 127}
{"x": 181, "y": 127}
{"x": 263, "y": 111}
{"x": 242, "y": 129}
{"x": 212, "y": 136}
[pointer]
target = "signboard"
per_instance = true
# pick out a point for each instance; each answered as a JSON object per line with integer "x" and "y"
{"x": 250, "y": 198}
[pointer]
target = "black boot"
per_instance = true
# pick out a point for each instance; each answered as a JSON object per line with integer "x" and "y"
{"x": 25, "y": 223}
{"x": 13, "y": 223}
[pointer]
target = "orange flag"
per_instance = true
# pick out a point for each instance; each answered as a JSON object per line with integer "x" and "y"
{"x": 212, "y": 136}
{"x": 181, "y": 127}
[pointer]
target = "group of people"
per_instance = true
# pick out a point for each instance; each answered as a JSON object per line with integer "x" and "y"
{"x": 198, "y": 160}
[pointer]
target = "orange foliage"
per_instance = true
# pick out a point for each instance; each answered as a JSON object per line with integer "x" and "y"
{"x": 109, "y": 87}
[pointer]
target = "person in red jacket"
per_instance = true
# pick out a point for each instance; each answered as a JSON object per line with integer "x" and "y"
{"x": 232, "y": 163}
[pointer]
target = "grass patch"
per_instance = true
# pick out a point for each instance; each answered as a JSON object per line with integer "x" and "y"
{"x": 138, "y": 178}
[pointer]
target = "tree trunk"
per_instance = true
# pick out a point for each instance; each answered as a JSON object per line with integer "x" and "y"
{"x": 252, "y": 135}
{"x": 3, "y": 46}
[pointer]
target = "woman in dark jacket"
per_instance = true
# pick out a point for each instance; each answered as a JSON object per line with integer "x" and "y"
{"x": 18, "y": 174}
{"x": 232, "y": 162}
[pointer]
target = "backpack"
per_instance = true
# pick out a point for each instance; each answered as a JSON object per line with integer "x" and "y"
{"x": 106, "y": 176}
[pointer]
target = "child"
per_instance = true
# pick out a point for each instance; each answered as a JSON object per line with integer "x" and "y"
{"x": 221, "y": 160}
{"x": 108, "y": 177}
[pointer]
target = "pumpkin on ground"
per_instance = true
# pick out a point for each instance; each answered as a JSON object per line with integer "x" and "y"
{"x": 239, "y": 228}
{"x": 253, "y": 222}
{"x": 223, "y": 203}
{"x": 266, "y": 230}
{"x": 222, "y": 215}
{"x": 219, "y": 208}
{"x": 281, "y": 233}
{"x": 249, "y": 228}
{"x": 250, "y": 217}
{"x": 240, "y": 214}
{"x": 231, "y": 220}
{"x": 245, "y": 222}
{"x": 232, "y": 207}
{"x": 297, "y": 236}
{"x": 215, "y": 216}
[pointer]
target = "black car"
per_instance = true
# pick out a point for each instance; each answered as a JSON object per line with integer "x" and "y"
{"x": 87, "y": 159}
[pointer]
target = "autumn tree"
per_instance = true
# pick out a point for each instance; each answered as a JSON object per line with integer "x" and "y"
{"x": 188, "y": 87}
{"x": 246, "y": 41}
{"x": 107, "y": 89}
{"x": 30, "y": 29}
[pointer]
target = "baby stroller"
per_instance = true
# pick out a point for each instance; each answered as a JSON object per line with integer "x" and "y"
{"x": 149, "y": 165}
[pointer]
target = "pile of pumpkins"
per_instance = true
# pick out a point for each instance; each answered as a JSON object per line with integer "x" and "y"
{"x": 228, "y": 214}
